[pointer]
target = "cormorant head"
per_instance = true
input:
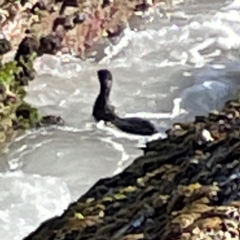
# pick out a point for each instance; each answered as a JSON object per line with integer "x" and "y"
{"x": 105, "y": 78}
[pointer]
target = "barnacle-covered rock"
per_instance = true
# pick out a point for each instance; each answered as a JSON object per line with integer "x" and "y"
{"x": 184, "y": 187}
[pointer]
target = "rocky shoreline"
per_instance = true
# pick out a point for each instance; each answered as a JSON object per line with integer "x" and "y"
{"x": 183, "y": 187}
{"x": 68, "y": 26}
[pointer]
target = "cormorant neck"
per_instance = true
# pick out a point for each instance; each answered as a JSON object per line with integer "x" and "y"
{"x": 105, "y": 91}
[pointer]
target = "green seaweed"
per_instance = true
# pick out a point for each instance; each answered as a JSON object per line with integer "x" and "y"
{"x": 15, "y": 113}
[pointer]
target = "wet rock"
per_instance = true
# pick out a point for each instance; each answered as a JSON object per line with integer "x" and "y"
{"x": 106, "y": 3}
{"x": 58, "y": 21}
{"x": 5, "y": 46}
{"x": 70, "y": 3}
{"x": 79, "y": 18}
{"x": 27, "y": 46}
{"x": 144, "y": 5}
{"x": 50, "y": 44}
{"x": 40, "y": 5}
{"x": 23, "y": 2}
{"x": 81, "y": 23}
{"x": 15, "y": 113}
{"x": 111, "y": 33}
{"x": 52, "y": 120}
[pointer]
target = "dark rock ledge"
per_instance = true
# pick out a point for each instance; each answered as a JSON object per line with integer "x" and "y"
{"x": 186, "y": 186}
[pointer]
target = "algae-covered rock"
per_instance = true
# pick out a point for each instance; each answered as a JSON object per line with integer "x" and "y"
{"x": 184, "y": 187}
{"x": 15, "y": 113}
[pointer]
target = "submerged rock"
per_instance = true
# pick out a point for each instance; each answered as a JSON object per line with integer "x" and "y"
{"x": 184, "y": 187}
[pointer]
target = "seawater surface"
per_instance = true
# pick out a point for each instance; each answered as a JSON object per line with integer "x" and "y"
{"x": 190, "y": 53}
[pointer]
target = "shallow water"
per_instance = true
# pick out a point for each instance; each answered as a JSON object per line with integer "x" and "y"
{"x": 192, "y": 55}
